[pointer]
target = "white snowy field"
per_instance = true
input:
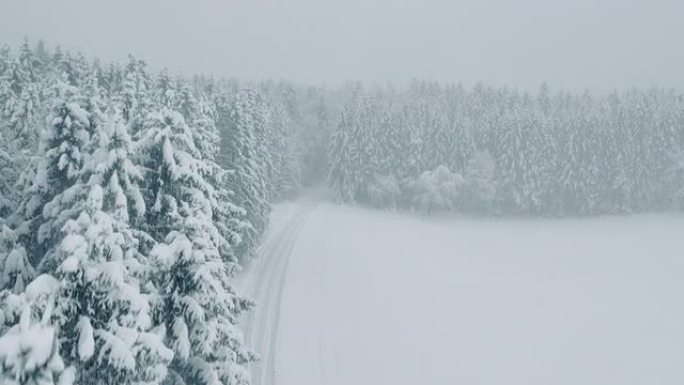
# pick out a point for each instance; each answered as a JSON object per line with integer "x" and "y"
{"x": 376, "y": 298}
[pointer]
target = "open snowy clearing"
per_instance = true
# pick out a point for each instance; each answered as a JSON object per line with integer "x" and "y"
{"x": 363, "y": 297}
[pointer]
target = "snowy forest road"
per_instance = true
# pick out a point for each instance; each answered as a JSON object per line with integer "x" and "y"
{"x": 355, "y": 296}
{"x": 264, "y": 279}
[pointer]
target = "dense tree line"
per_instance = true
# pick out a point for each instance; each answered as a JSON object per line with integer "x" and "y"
{"x": 489, "y": 150}
{"x": 128, "y": 200}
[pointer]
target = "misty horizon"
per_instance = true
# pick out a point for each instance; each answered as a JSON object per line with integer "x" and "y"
{"x": 591, "y": 45}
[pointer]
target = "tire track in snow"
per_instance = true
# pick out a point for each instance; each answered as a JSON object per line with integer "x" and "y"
{"x": 264, "y": 280}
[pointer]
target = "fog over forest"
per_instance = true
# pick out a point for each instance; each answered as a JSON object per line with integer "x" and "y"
{"x": 569, "y": 44}
{"x": 305, "y": 192}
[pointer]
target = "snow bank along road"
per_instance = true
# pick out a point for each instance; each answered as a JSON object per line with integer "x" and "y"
{"x": 351, "y": 296}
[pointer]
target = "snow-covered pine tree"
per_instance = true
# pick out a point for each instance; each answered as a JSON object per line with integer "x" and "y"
{"x": 283, "y": 148}
{"x": 200, "y": 114}
{"x": 196, "y": 300}
{"x": 202, "y": 118}
{"x": 112, "y": 80}
{"x": 28, "y": 61}
{"x": 10, "y": 166}
{"x": 361, "y": 146}
{"x": 366, "y": 142}
{"x": 71, "y": 68}
{"x": 54, "y": 185}
{"x": 104, "y": 320}
{"x": 42, "y": 56}
{"x": 164, "y": 90}
{"x": 113, "y": 162}
{"x": 318, "y": 158}
{"x": 243, "y": 123}
{"x": 20, "y": 102}
{"x": 277, "y": 149}
{"x": 389, "y": 129}
{"x": 341, "y": 177}
{"x": 480, "y": 190}
{"x": 511, "y": 161}
{"x": 135, "y": 98}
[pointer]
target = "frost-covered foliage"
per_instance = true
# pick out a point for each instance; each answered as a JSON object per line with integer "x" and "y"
{"x": 15, "y": 267}
{"x": 436, "y": 190}
{"x": 519, "y": 153}
{"x": 384, "y": 191}
{"x": 29, "y": 342}
{"x": 29, "y": 354}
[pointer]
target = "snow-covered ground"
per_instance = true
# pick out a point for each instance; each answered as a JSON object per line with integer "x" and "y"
{"x": 376, "y": 298}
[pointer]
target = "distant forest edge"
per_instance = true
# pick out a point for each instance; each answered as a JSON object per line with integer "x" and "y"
{"x": 499, "y": 151}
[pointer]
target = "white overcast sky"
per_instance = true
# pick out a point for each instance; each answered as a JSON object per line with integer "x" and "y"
{"x": 597, "y": 44}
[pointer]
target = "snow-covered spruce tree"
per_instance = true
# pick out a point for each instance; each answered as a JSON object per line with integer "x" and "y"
{"x": 84, "y": 124}
{"x": 113, "y": 163}
{"x": 200, "y": 114}
{"x": 440, "y": 147}
{"x": 53, "y": 186}
{"x": 288, "y": 177}
{"x": 135, "y": 97}
{"x": 20, "y": 114}
{"x": 243, "y": 123}
{"x": 480, "y": 189}
{"x": 196, "y": 300}
{"x": 103, "y": 319}
{"x": 389, "y": 136}
{"x": 42, "y": 56}
{"x": 20, "y": 101}
{"x": 314, "y": 135}
{"x": 463, "y": 145}
{"x": 589, "y": 154}
{"x": 514, "y": 158}
{"x": 164, "y": 90}
{"x": 367, "y": 142}
{"x": 71, "y": 68}
{"x": 23, "y": 115}
{"x": 341, "y": 176}
{"x": 284, "y": 152}
{"x": 8, "y": 178}
{"x": 416, "y": 117}
{"x": 353, "y": 148}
